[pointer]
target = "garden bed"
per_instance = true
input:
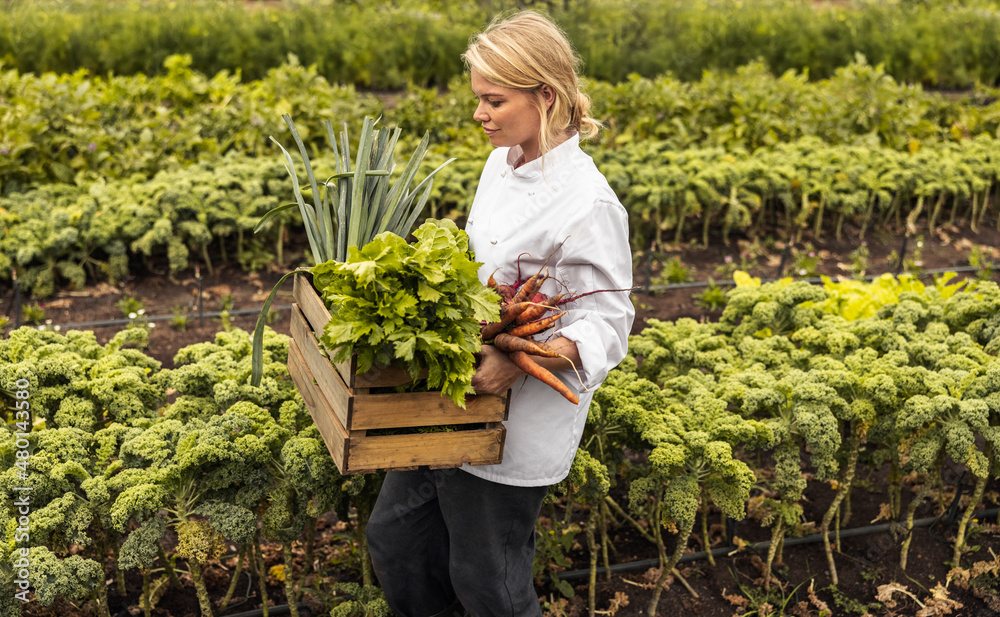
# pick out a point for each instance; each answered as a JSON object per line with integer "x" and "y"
{"x": 866, "y": 562}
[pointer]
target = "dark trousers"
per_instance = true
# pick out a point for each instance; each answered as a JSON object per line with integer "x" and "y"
{"x": 437, "y": 536}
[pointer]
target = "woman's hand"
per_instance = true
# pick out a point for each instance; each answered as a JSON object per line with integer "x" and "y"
{"x": 496, "y": 373}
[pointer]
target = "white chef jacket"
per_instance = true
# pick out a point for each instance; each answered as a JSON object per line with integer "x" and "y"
{"x": 559, "y": 207}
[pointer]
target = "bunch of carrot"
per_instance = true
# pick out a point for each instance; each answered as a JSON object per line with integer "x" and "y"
{"x": 524, "y": 313}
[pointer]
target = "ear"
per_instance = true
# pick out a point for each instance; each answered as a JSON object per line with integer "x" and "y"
{"x": 548, "y": 95}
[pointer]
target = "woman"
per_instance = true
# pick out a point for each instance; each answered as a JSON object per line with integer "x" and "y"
{"x": 442, "y": 540}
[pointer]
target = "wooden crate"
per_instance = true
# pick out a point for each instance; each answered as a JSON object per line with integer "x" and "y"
{"x": 345, "y": 408}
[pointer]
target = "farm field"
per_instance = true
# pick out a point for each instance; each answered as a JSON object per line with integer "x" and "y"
{"x": 869, "y": 560}
{"x": 812, "y": 388}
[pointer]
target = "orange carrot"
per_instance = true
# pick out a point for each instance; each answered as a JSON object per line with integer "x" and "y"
{"x": 507, "y": 314}
{"x": 509, "y": 343}
{"x": 510, "y": 312}
{"x": 524, "y": 362}
{"x": 532, "y": 313}
{"x": 538, "y": 309}
{"x": 492, "y": 282}
{"x": 530, "y": 287}
{"x": 534, "y": 327}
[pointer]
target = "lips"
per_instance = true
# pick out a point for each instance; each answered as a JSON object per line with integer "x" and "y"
{"x": 489, "y": 132}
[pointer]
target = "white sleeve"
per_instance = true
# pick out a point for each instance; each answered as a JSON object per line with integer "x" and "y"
{"x": 596, "y": 256}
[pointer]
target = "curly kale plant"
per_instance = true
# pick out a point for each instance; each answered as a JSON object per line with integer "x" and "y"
{"x": 205, "y": 479}
{"x": 802, "y": 411}
{"x": 68, "y": 504}
{"x": 213, "y": 376}
{"x": 669, "y": 349}
{"x": 84, "y": 400}
{"x": 587, "y": 484}
{"x": 957, "y": 415}
{"x": 978, "y": 314}
{"x": 690, "y": 435}
{"x": 770, "y": 309}
{"x": 77, "y": 382}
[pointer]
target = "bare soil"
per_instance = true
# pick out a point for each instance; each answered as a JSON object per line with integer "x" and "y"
{"x": 734, "y": 585}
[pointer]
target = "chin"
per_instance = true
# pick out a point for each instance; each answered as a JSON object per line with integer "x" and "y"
{"x": 499, "y": 142}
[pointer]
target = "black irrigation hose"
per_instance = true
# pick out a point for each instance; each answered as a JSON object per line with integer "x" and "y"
{"x": 246, "y": 597}
{"x": 949, "y": 515}
{"x": 765, "y": 544}
{"x": 815, "y": 280}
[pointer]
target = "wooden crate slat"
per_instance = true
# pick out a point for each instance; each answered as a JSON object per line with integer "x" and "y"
{"x": 476, "y": 447}
{"x": 328, "y": 380}
{"x": 411, "y": 409}
{"x": 317, "y": 316}
{"x": 310, "y": 304}
{"x": 334, "y": 435}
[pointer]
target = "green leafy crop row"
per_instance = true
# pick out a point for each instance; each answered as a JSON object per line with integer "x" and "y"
{"x": 800, "y": 185}
{"x": 378, "y": 45}
{"x": 743, "y": 152}
{"x": 786, "y": 379}
{"x": 386, "y": 45}
{"x": 74, "y": 128}
{"x": 124, "y": 452}
{"x": 753, "y": 106}
{"x": 61, "y": 234}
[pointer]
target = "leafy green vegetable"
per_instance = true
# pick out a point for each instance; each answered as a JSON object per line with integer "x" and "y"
{"x": 357, "y": 202}
{"x": 360, "y": 202}
{"x": 418, "y": 303}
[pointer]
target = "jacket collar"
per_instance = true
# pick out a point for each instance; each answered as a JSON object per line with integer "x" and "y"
{"x": 552, "y": 158}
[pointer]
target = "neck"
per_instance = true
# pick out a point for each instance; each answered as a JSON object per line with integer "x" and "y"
{"x": 527, "y": 156}
{"x": 535, "y": 152}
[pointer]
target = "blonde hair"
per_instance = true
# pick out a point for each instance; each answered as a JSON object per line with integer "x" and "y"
{"x": 525, "y": 52}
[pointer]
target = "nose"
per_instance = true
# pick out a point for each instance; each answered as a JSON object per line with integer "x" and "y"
{"x": 480, "y": 114}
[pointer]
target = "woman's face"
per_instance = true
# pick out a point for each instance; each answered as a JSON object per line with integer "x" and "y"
{"x": 509, "y": 117}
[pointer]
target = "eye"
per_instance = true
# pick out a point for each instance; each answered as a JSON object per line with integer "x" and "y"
{"x": 493, "y": 103}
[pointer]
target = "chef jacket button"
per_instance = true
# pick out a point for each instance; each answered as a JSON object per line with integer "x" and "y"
{"x": 493, "y": 241}
{"x": 530, "y": 193}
